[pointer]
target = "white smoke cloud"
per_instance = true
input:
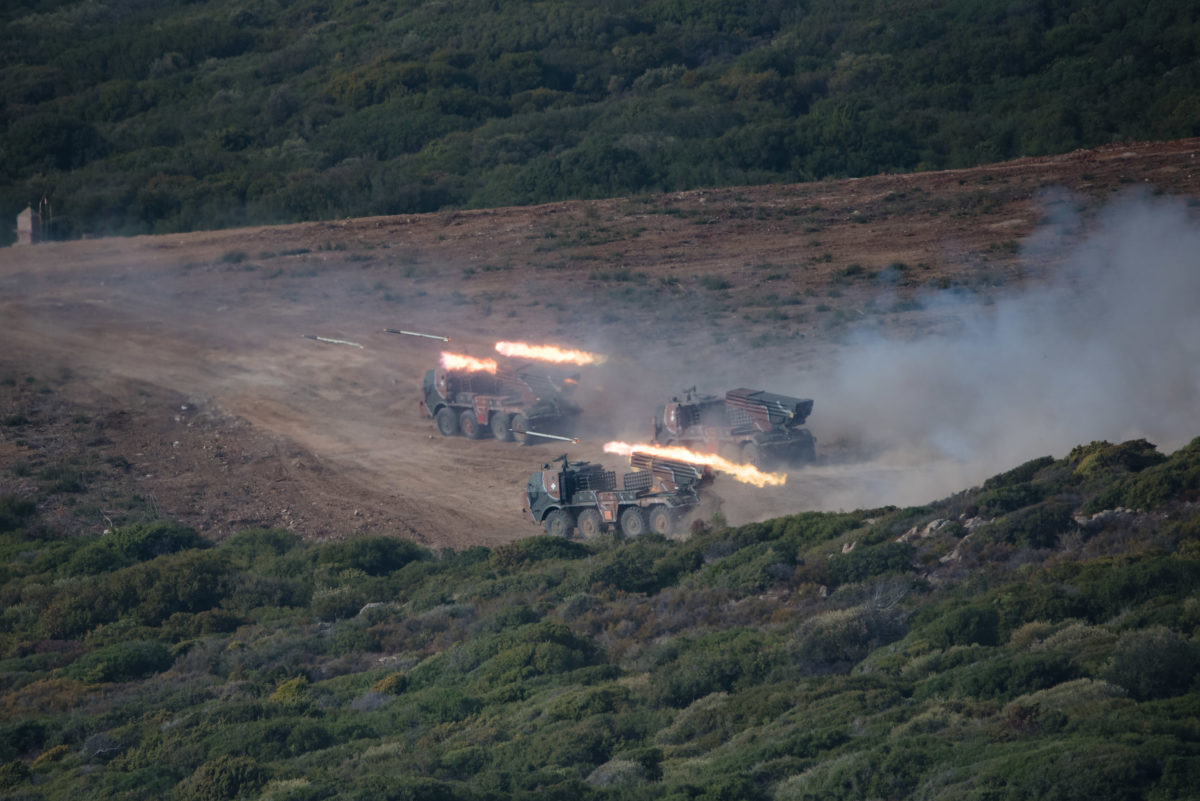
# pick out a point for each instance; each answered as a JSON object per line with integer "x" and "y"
{"x": 1108, "y": 349}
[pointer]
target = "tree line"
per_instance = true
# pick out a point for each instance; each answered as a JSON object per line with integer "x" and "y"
{"x": 135, "y": 117}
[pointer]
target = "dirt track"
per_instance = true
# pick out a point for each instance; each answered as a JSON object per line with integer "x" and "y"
{"x": 185, "y": 355}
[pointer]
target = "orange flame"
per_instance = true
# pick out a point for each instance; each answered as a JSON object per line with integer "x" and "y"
{"x": 548, "y": 353}
{"x": 746, "y": 473}
{"x": 459, "y": 361}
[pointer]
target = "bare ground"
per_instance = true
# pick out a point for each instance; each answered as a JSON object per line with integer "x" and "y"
{"x": 168, "y": 376}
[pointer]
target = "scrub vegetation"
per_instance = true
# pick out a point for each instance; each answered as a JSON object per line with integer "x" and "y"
{"x": 1035, "y": 636}
{"x": 135, "y": 117}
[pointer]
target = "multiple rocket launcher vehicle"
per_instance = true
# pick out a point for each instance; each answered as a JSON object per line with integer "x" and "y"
{"x": 529, "y": 404}
{"x": 745, "y": 430}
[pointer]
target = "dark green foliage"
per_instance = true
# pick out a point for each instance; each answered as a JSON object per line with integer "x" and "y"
{"x": 1156, "y": 480}
{"x": 644, "y": 565}
{"x": 1001, "y": 678}
{"x": 21, "y": 738}
{"x": 535, "y": 650}
{"x": 1018, "y": 475}
{"x": 750, "y": 569}
{"x": 201, "y": 114}
{"x": 13, "y": 773}
{"x": 14, "y": 512}
{"x": 1109, "y": 589}
{"x": 223, "y": 779}
{"x": 1008, "y": 498}
{"x": 375, "y": 556}
{"x": 837, "y": 641}
{"x": 814, "y": 656}
{"x": 1100, "y": 458}
{"x": 123, "y": 661}
{"x": 137, "y": 543}
{"x": 1154, "y": 663}
{"x": 1036, "y": 526}
{"x": 794, "y": 532}
{"x": 535, "y": 549}
{"x": 49, "y": 141}
{"x": 866, "y": 561}
{"x": 1177, "y": 478}
{"x": 965, "y": 625}
{"x": 710, "y": 664}
{"x": 1180, "y": 777}
{"x": 248, "y": 547}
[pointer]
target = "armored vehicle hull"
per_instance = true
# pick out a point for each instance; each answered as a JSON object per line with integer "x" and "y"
{"x": 584, "y": 497}
{"x": 747, "y": 425}
{"x": 509, "y": 405}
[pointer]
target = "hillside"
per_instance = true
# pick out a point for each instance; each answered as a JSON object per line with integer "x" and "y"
{"x": 170, "y": 373}
{"x": 236, "y": 563}
{"x": 1032, "y": 637}
{"x": 134, "y": 117}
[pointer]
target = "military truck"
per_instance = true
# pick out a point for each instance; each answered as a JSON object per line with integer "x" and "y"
{"x": 526, "y": 404}
{"x": 747, "y": 425}
{"x": 581, "y": 495}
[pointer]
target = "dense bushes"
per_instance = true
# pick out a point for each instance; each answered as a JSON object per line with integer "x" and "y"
{"x": 121, "y": 661}
{"x": 716, "y": 667}
{"x": 134, "y": 122}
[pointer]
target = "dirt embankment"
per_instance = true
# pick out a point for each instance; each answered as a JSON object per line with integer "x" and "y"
{"x": 169, "y": 375}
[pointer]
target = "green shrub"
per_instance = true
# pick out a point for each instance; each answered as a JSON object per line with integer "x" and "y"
{"x": 21, "y": 738}
{"x": 128, "y": 545}
{"x": 14, "y": 512}
{"x": 392, "y": 684}
{"x": 834, "y": 642}
{"x": 536, "y": 549}
{"x": 1101, "y": 459}
{"x": 223, "y": 779}
{"x": 633, "y": 568}
{"x": 1107, "y": 589}
{"x": 259, "y": 546}
{"x": 1175, "y": 479}
{"x": 122, "y": 661}
{"x": 748, "y": 570}
{"x": 13, "y": 773}
{"x": 1180, "y": 778}
{"x": 965, "y": 625}
{"x": 1068, "y": 769}
{"x": 1153, "y": 663}
{"x": 444, "y": 704}
{"x": 292, "y": 694}
{"x": 1036, "y": 526}
{"x": 1001, "y": 678}
{"x": 1018, "y": 475}
{"x": 1009, "y": 498}
{"x": 187, "y": 582}
{"x": 374, "y": 556}
{"x": 866, "y": 561}
{"x": 713, "y": 663}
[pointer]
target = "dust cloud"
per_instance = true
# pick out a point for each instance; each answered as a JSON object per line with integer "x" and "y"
{"x": 1109, "y": 349}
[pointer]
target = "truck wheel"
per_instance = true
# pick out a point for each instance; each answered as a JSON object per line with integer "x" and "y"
{"x": 468, "y": 423}
{"x": 590, "y": 523}
{"x": 500, "y": 426}
{"x": 519, "y": 426}
{"x": 447, "y": 421}
{"x": 559, "y": 523}
{"x": 661, "y": 520}
{"x": 633, "y": 522}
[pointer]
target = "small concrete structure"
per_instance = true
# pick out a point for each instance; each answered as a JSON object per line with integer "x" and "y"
{"x": 29, "y": 227}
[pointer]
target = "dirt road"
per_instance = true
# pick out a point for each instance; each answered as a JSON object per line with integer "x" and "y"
{"x": 182, "y": 359}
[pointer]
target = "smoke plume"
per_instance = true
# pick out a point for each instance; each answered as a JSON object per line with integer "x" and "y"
{"x": 1109, "y": 349}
